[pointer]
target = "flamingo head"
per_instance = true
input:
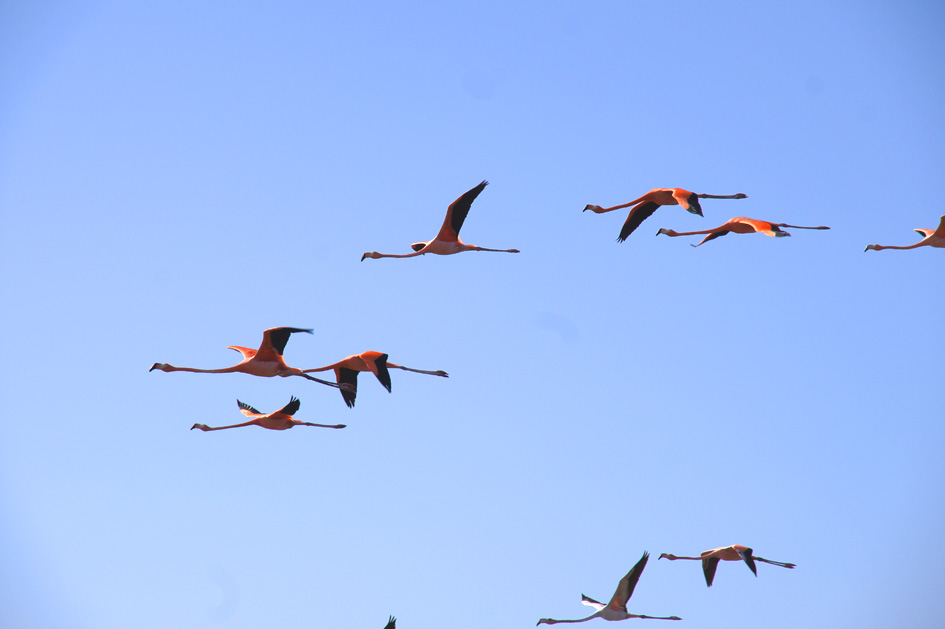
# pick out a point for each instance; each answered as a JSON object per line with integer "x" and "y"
{"x": 370, "y": 254}
{"x": 593, "y": 208}
{"x": 668, "y": 232}
{"x": 202, "y": 427}
{"x": 668, "y": 556}
{"x": 741, "y": 196}
{"x": 161, "y": 366}
{"x": 873, "y": 247}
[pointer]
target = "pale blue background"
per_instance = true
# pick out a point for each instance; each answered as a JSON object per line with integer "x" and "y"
{"x": 175, "y": 179}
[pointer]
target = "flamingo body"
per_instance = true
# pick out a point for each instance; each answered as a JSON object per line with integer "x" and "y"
{"x": 278, "y": 420}
{"x": 739, "y": 225}
{"x": 645, "y": 206}
{"x": 930, "y": 238}
{"x": 447, "y": 241}
{"x": 736, "y": 552}
{"x": 616, "y": 609}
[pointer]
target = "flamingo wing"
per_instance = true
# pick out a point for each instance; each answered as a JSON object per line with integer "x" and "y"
{"x": 940, "y": 230}
{"x": 382, "y": 373}
{"x": 637, "y": 215}
{"x": 587, "y": 600}
{"x": 291, "y": 408}
{"x": 747, "y": 558}
{"x": 456, "y": 213}
{"x": 248, "y": 410}
{"x": 245, "y": 351}
{"x": 689, "y": 201}
{"x": 627, "y": 584}
{"x": 713, "y": 236}
{"x": 274, "y": 339}
{"x": 709, "y": 564}
{"x": 925, "y": 233}
{"x": 391, "y": 623}
{"x": 348, "y": 376}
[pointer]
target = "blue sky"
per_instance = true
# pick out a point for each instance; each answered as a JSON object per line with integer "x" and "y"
{"x": 178, "y": 179}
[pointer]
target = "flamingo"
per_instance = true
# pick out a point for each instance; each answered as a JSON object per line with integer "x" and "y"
{"x": 739, "y": 225}
{"x": 266, "y": 361}
{"x": 279, "y": 420}
{"x": 710, "y": 560}
{"x": 346, "y": 372}
{"x": 647, "y": 204}
{"x": 447, "y": 241}
{"x": 391, "y": 623}
{"x": 616, "y": 609}
{"x": 931, "y": 238}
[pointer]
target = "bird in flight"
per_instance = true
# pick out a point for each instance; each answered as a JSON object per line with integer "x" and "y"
{"x": 710, "y": 560}
{"x": 930, "y": 237}
{"x": 739, "y": 225}
{"x": 647, "y": 204}
{"x": 347, "y": 369}
{"x": 616, "y": 609}
{"x": 391, "y": 623}
{"x": 447, "y": 240}
{"x": 266, "y": 361}
{"x": 279, "y": 420}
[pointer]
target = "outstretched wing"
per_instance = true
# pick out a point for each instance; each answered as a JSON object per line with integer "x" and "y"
{"x": 689, "y": 201}
{"x": 713, "y": 236}
{"x": 638, "y": 214}
{"x": 391, "y": 623}
{"x": 587, "y": 600}
{"x": 348, "y": 376}
{"x": 382, "y": 372}
{"x": 457, "y": 212}
{"x": 291, "y": 408}
{"x": 627, "y": 584}
{"x": 940, "y": 230}
{"x": 276, "y": 338}
{"x": 709, "y": 564}
{"x": 248, "y": 410}
{"x": 747, "y": 558}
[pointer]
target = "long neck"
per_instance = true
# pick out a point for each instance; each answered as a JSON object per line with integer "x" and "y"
{"x": 552, "y": 621}
{"x": 395, "y": 255}
{"x": 325, "y": 382}
{"x": 429, "y": 373}
{"x": 195, "y": 370}
{"x": 319, "y": 369}
{"x": 617, "y": 207}
{"x": 249, "y": 423}
{"x": 881, "y": 247}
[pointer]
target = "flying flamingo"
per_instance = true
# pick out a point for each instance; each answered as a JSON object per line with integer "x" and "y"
{"x": 266, "y": 361}
{"x": 739, "y": 225}
{"x": 279, "y": 420}
{"x": 447, "y": 241}
{"x": 616, "y": 609}
{"x": 710, "y": 560}
{"x": 647, "y": 204}
{"x": 931, "y": 238}
{"x": 346, "y": 372}
{"x": 391, "y": 623}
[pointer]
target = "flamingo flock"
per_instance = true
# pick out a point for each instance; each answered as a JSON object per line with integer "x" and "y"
{"x": 267, "y": 361}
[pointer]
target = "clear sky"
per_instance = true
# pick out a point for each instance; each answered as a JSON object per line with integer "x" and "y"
{"x": 175, "y": 179}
